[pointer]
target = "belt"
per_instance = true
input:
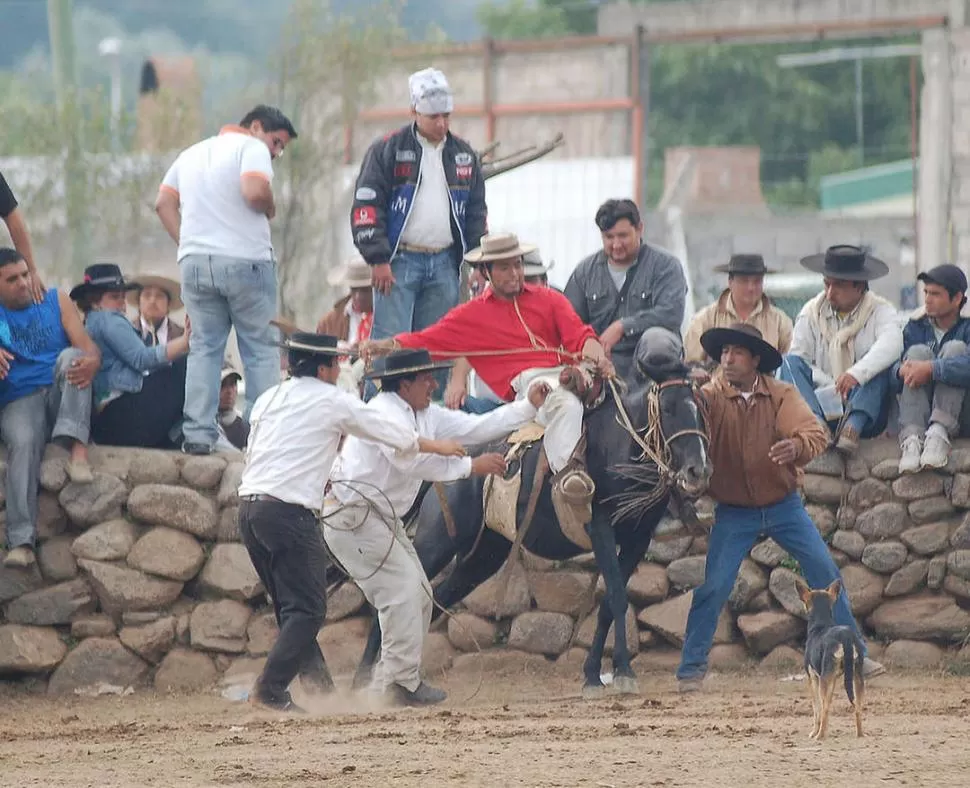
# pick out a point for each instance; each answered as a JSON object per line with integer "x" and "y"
{"x": 263, "y": 498}
{"x": 423, "y": 249}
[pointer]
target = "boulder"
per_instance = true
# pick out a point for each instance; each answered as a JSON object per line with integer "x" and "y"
{"x": 29, "y": 649}
{"x": 768, "y": 553}
{"x": 935, "y": 572}
{"x": 438, "y": 655}
{"x": 152, "y": 467}
{"x": 220, "y": 626}
{"x": 96, "y": 661}
{"x": 663, "y": 552}
{"x": 669, "y": 620}
{"x": 960, "y": 492}
{"x": 121, "y": 589}
{"x": 764, "y": 631}
{"x": 562, "y": 591}
{"x": 873, "y": 452}
{"x": 887, "y": 470}
{"x": 750, "y": 581}
{"x": 503, "y": 595}
{"x": 960, "y": 538}
{"x": 929, "y": 510}
{"x": 97, "y": 625}
{"x": 958, "y": 563}
{"x": 97, "y": 502}
{"x": 135, "y": 618}
{"x": 229, "y": 525}
{"x": 926, "y": 539}
{"x": 728, "y": 656}
{"x": 51, "y": 519}
{"x": 840, "y": 558}
{"x": 109, "y": 541}
{"x": 541, "y": 633}
{"x": 883, "y": 521}
{"x": 15, "y": 582}
{"x": 345, "y": 601}
{"x": 763, "y": 600}
{"x": 174, "y": 507}
{"x": 468, "y": 632}
{"x": 913, "y": 654}
{"x": 863, "y": 587}
{"x": 907, "y": 579}
{"x": 53, "y": 473}
{"x": 261, "y": 634}
{"x": 184, "y": 670}
{"x": 52, "y": 606}
{"x": 229, "y": 572}
{"x": 845, "y": 517}
{"x": 783, "y": 658}
{"x": 111, "y": 460}
{"x": 229, "y": 485}
{"x": 823, "y": 518}
{"x": 822, "y": 489}
{"x": 913, "y": 486}
{"x": 343, "y": 643}
{"x": 828, "y": 463}
{"x": 203, "y": 473}
{"x": 884, "y": 557}
{"x": 957, "y": 587}
{"x": 150, "y": 641}
{"x": 852, "y": 543}
{"x": 922, "y": 617}
{"x": 649, "y": 584}
{"x": 167, "y": 553}
{"x": 959, "y": 461}
{"x": 55, "y": 559}
{"x": 868, "y": 493}
{"x": 782, "y": 586}
{"x": 687, "y": 572}
{"x": 634, "y": 641}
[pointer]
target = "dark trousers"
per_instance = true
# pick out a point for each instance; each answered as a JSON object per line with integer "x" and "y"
{"x": 146, "y": 418}
{"x": 286, "y": 548}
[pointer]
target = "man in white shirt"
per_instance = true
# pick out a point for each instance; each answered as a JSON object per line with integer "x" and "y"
{"x": 296, "y": 431}
{"x": 216, "y": 202}
{"x": 372, "y": 490}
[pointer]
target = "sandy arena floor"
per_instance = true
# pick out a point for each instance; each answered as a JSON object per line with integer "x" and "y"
{"x": 526, "y": 727}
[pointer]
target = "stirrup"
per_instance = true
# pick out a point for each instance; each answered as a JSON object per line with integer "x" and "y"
{"x": 572, "y": 499}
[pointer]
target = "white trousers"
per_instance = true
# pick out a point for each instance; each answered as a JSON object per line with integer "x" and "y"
{"x": 399, "y": 589}
{"x": 561, "y": 414}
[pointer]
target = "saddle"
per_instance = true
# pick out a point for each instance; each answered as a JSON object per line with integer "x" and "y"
{"x": 582, "y": 380}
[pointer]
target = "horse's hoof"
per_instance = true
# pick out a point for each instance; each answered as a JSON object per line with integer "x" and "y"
{"x": 626, "y": 685}
{"x": 594, "y": 691}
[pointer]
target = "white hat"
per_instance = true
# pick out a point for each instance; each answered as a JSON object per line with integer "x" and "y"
{"x": 430, "y": 93}
{"x": 355, "y": 273}
{"x": 533, "y": 266}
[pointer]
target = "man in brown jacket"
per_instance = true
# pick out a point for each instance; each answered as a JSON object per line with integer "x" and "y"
{"x": 761, "y": 436}
{"x": 351, "y": 317}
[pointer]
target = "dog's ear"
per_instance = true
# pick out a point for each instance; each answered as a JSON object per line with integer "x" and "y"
{"x": 833, "y": 589}
{"x": 804, "y": 592}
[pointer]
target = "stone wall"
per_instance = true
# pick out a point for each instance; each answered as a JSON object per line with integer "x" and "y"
{"x": 141, "y": 580}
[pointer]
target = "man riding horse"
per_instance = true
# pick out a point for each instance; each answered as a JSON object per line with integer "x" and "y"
{"x": 514, "y": 336}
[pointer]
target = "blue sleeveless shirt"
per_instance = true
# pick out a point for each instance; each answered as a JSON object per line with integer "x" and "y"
{"x": 35, "y": 336}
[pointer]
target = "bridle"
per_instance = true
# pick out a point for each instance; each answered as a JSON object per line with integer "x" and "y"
{"x": 655, "y": 391}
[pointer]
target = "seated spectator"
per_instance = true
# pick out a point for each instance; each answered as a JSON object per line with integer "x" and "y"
{"x": 846, "y": 341}
{"x": 233, "y": 428}
{"x": 138, "y": 392}
{"x": 934, "y": 375}
{"x": 536, "y": 272}
{"x": 155, "y": 298}
{"x": 351, "y": 319}
{"x": 47, "y": 364}
{"x": 744, "y": 301}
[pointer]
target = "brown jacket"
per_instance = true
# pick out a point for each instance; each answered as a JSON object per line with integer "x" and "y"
{"x": 336, "y": 322}
{"x": 775, "y": 326}
{"x": 743, "y": 432}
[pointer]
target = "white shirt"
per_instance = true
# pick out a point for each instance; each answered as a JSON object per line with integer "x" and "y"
{"x": 354, "y": 319}
{"x": 429, "y": 222}
{"x": 618, "y": 274}
{"x": 161, "y": 333}
{"x": 295, "y": 433}
{"x": 399, "y": 478}
{"x": 207, "y": 180}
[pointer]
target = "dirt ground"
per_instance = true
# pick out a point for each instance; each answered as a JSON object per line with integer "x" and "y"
{"x": 526, "y": 726}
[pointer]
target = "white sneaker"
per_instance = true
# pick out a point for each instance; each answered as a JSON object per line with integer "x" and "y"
{"x": 936, "y": 449}
{"x": 20, "y": 557}
{"x": 909, "y": 461}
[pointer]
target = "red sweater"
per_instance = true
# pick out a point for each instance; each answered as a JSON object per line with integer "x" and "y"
{"x": 491, "y": 323}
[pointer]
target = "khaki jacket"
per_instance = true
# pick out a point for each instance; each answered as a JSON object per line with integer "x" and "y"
{"x": 336, "y": 322}
{"x": 742, "y": 432}
{"x": 775, "y": 326}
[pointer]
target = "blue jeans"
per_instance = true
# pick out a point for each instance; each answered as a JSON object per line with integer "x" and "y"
{"x": 868, "y": 404}
{"x": 479, "y": 405}
{"x": 735, "y": 531}
{"x": 221, "y": 293}
{"x": 425, "y": 288}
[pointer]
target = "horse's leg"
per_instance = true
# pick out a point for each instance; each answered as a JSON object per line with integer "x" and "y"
{"x": 472, "y": 570}
{"x": 365, "y": 668}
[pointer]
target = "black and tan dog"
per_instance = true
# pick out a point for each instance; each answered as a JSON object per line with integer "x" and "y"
{"x": 830, "y": 650}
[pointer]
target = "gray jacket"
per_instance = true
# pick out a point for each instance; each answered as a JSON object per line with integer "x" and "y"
{"x": 652, "y": 295}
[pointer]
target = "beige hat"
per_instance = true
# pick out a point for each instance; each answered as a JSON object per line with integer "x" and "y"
{"x": 532, "y": 262}
{"x": 354, "y": 273}
{"x": 229, "y": 372}
{"x": 170, "y": 286}
{"x": 498, "y": 246}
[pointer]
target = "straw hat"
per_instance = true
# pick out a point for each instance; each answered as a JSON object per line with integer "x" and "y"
{"x": 170, "y": 286}
{"x": 498, "y": 246}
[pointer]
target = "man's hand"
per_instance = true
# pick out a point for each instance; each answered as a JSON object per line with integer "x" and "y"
{"x": 699, "y": 375}
{"x": 784, "y": 452}
{"x": 845, "y": 384}
{"x": 368, "y": 348}
{"x": 485, "y": 464}
{"x": 916, "y": 373}
{"x": 5, "y": 358}
{"x": 538, "y": 393}
{"x": 612, "y": 335}
{"x": 605, "y": 367}
{"x": 37, "y": 288}
{"x": 445, "y": 448}
{"x": 83, "y": 370}
{"x": 382, "y": 278}
{"x": 455, "y": 392}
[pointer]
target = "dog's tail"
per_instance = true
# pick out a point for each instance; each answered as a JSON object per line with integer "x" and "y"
{"x": 852, "y": 663}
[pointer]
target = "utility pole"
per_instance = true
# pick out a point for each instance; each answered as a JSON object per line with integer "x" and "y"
{"x": 61, "y": 29}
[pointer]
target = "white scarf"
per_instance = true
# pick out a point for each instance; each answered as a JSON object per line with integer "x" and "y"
{"x": 841, "y": 343}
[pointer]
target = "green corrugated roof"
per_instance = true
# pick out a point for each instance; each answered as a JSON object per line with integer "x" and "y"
{"x": 867, "y": 184}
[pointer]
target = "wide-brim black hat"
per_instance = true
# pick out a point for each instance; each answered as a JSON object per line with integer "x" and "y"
{"x": 714, "y": 339}
{"x": 307, "y": 344}
{"x": 405, "y": 362}
{"x": 846, "y": 262}
{"x": 101, "y": 278}
{"x": 745, "y": 265}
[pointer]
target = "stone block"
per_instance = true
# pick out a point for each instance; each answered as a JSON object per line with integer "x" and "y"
{"x": 97, "y": 502}
{"x": 174, "y": 507}
{"x": 913, "y": 486}
{"x": 765, "y": 631}
{"x": 503, "y": 595}
{"x": 783, "y": 587}
{"x": 852, "y": 543}
{"x": 687, "y": 572}
{"x": 167, "y": 553}
{"x": 229, "y": 485}
{"x": 55, "y": 559}
{"x": 913, "y": 654}
{"x": 751, "y": 580}
{"x": 883, "y": 521}
{"x": 152, "y": 467}
{"x": 261, "y": 634}
{"x": 634, "y": 638}
{"x": 822, "y": 489}
{"x": 468, "y": 632}
{"x": 649, "y": 584}
{"x": 122, "y": 589}
{"x": 15, "y": 582}
{"x": 768, "y": 553}
{"x": 868, "y": 493}
{"x": 863, "y": 587}
{"x": 908, "y": 578}
{"x": 935, "y": 572}
{"x": 929, "y": 510}
{"x": 541, "y": 633}
{"x": 96, "y": 661}
{"x": 823, "y": 518}
{"x": 926, "y": 539}
{"x": 108, "y": 541}
{"x": 97, "y": 625}
{"x": 220, "y": 626}
{"x": 922, "y": 617}
{"x": 669, "y": 620}
{"x": 29, "y": 649}
{"x": 152, "y": 641}
{"x": 184, "y": 670}
{"x": 52, "y": 606}
{"x": 229, "y": 572}
{"x": 203, "y": 473}
{"x": 562, "y": 591}
{"x": 884, "y": 557}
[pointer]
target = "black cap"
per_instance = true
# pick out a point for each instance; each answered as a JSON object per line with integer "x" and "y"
{"x": 949, "y": 276}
